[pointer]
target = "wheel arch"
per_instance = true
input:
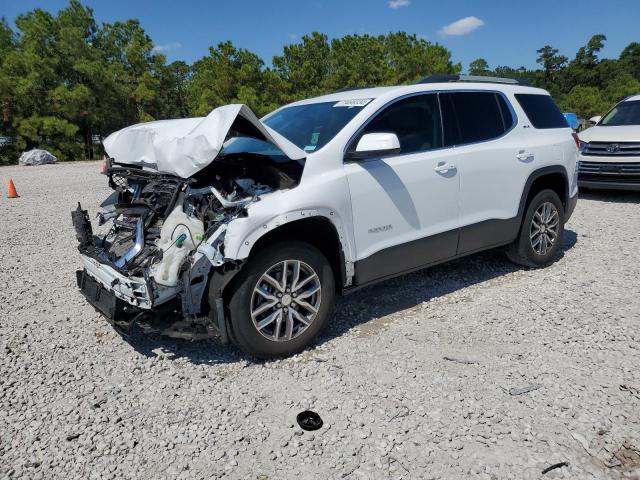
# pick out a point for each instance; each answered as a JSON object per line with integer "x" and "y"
{"x": 321, "y": 229}
{"x": 553, "y": 177}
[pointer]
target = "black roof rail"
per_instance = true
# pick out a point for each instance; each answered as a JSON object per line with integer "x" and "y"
{"x": 471, "y": 78}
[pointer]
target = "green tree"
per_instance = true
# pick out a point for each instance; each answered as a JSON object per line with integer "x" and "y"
{"x": 630, "y": 59}
{"x": 585, "y": 101}
{"x": 356, "y": 61}
{"x": 479, "y": 67}
{"x": 551, "y": 63}
{"x": 620, "y": 87}
{"x": 588, "y": 55}
{"x": 304, "y": 67}
{"x": 585, "y": 68}
{"x": 7, "y": 46}
{"x": 411, "y": 58}
{"x": 522, "y": 74}
{"x": 226, "y": 75}
{"x": 132, "y": 76}
{"x": 172, "y": 101}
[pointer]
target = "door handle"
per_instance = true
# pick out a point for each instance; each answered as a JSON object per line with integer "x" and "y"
{"x": 524, "y": 156}
{"x": 445, "y": 167}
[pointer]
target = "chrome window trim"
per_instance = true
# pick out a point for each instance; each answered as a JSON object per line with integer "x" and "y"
{"x": 515, "y": 121}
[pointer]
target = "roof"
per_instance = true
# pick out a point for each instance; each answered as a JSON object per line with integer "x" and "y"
{"x": 632, "y": 98}
{"x": 399, "y": 90}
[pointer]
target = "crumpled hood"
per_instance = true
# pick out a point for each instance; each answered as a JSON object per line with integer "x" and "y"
{"x": 184, "y": 147}
{"x": 622, "y": 133}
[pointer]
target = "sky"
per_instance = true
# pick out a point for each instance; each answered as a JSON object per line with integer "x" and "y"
{"x": 502, "y": 32}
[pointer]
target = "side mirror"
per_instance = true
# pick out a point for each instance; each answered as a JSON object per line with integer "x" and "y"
{"x": 595, "y": 120}
{"x": 375, "y": 145}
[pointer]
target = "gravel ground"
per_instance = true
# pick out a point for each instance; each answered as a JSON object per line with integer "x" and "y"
{"x": 474, "y": 369}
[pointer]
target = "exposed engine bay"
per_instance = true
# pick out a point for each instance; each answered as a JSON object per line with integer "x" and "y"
{"x": 157, "y": 218}
{"x": 177, "y": 185}
{"x": 156, "y": 224}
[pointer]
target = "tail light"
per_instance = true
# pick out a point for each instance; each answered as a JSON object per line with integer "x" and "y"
{"x": 576, "y": 139}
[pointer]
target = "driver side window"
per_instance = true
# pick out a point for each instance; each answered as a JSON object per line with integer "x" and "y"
{"x": 415, "y": 120}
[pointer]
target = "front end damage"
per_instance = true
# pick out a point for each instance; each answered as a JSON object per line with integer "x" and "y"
{"x": 160, "y": 261}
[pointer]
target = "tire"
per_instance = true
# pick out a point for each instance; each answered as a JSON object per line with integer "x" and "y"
{"x": 255, "y": 300}
{"x": 530, "y": 249}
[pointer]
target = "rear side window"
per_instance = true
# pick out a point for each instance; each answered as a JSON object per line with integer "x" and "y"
{"x": 415, "y": 120}
{"x": 541, "y": 110}
{"x": 470, "y": 117}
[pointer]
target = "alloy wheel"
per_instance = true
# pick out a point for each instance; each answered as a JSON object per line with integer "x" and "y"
{"x": 286, "y": 300}
{"x": 545, "y": 227}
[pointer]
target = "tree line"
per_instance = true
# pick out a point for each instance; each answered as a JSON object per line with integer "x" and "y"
{"x": 67, "y": 81}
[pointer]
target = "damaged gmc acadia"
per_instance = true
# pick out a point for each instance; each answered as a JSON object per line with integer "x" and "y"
{"x": 244, "y": 229}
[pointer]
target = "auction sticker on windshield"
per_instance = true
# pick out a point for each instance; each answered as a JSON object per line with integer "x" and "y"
{"x": 356, "y": 102}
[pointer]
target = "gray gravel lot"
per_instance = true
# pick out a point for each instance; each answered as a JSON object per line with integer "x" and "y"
{"x": 541, "y": 367}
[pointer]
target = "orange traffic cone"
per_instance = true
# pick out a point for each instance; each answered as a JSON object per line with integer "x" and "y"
{"x": 12, "y": 193}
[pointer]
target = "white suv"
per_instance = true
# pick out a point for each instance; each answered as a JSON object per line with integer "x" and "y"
{"x": 610, "y": 150}
{"x": 246, "y": 229}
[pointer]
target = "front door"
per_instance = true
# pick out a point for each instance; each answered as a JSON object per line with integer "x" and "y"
{"x": 405, "y": 207}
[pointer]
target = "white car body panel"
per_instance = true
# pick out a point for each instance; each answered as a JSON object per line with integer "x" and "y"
{"x": 623, "y": 133}
{"x": 394, "y": 200}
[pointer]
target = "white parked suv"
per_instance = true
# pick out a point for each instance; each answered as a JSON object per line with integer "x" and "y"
{"x": 246, "y": 229}
{"x": 610, "y": 150}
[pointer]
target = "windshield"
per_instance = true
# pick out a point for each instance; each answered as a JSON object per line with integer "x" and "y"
{"x": 253, "y": 145}
{"x": 625, "y": 113}
{"x": 311, "y": 126}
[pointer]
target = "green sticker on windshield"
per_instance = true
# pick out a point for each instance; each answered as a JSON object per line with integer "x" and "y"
{"x": 315, "y": 136}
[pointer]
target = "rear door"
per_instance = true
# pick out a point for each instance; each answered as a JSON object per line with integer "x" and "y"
{"x": 492, "y": 164}
{"x": 405, "y": 207}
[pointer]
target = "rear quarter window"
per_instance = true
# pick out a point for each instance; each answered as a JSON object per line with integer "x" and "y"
{"x": 541, "y": 110}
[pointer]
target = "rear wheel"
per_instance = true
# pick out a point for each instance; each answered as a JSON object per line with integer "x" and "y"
{"x": 541, "y": 232}
{"x": 281, "y": 300}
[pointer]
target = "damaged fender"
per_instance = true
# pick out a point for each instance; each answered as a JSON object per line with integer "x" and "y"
{"x": 243, "y": 233}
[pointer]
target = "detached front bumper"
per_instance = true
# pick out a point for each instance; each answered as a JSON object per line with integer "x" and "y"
{"x": 120, "y": 299}
{"x": 126, "y": 302}
{"x": 134, "y": 291}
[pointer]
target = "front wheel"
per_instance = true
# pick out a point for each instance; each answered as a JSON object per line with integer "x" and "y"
{"x": 541, "y": 232}
{"x": 281, "y": 300}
